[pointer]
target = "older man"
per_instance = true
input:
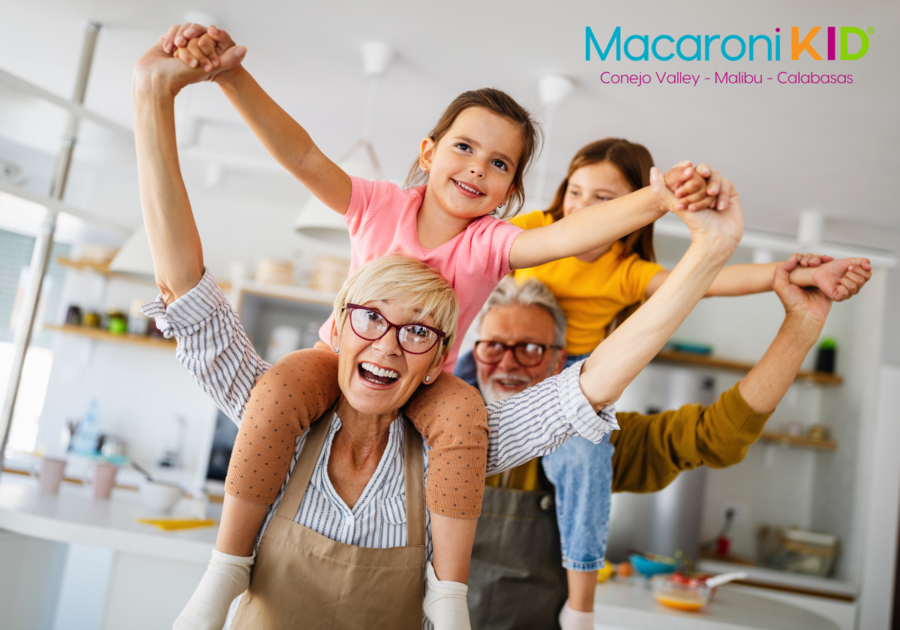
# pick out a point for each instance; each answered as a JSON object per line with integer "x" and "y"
{"x": 517, "y": 581}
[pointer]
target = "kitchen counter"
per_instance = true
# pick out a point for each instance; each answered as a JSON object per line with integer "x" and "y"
{"x": 630, "y": 605}
{"x": 73, "y": 516}
{"x": 168, "y": 565}
{"x": 810, "y": 584}
{"x": 88, "y": 559}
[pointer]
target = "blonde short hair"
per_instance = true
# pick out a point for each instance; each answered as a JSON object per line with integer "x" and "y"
{"x": 404, "y": 279}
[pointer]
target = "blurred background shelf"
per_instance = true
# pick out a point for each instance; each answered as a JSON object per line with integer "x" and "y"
{"x": 686, "y": 358}
{"x": 797, "y": 441}
{"x": 102, "y": 335}
{"x": 103, "y": 269}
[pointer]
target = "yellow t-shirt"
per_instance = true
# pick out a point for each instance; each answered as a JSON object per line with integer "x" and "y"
{"x": 591, "y": 294}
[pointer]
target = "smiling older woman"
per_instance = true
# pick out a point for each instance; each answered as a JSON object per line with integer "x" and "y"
{"x": 347, "y": 542}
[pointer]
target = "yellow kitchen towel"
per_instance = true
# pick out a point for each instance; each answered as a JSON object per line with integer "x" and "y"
{"x": 171, "y": 524}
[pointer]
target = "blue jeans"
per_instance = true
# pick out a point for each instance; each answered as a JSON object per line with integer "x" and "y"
{"x": 582, "y": 474}
{"x": 465, "y": 368}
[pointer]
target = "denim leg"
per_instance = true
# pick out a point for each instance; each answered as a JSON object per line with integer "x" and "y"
{"x": 465, "y": 368}
{"x": 582, "y": 474}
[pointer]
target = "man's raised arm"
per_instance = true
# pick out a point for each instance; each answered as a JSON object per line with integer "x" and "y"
{"x": 651, "y": 450}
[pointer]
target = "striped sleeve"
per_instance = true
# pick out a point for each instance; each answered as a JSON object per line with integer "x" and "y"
{"x": 212, "y": 344}
{"x": 537, "y": 421}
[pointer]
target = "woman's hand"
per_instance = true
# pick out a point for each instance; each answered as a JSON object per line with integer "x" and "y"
{"x": 157, "y": 71}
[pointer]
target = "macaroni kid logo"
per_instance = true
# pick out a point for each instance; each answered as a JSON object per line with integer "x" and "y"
{"x": 732, "y": 47}
{"x": 844, "y": 43}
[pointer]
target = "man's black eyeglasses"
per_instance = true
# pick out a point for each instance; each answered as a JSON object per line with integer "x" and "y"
{"x": 526, "y": 354}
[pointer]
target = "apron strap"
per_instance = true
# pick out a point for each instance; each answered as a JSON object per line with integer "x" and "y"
{"x": 414, "y": 482}
{"x": 305, "y": 466}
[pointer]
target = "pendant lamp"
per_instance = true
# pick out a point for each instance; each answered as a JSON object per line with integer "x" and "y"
{"x": 553, "y": 89}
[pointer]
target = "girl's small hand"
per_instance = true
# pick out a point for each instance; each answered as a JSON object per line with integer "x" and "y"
{"x": 200, "y": 51}
{"x": 690, "y": 186}
{"x": 213, "y": 50}
{"x": 722, "y": 229}
{"x": 841, "y": 279}
{"x": 180, "y": 34}
{"x": 718, "y": 188}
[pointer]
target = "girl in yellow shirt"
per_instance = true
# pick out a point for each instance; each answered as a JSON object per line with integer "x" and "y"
{"x": 597, "y": 291}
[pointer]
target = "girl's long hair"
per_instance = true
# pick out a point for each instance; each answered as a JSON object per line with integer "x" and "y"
{"x": 634, "y": 162}
{"x": 504, "y": 105}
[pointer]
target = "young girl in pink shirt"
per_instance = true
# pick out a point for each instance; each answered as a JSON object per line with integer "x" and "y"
{"x": 471, "y": 166}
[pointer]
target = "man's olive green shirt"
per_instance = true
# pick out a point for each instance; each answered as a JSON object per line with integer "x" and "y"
{"x": 652, "y": 449}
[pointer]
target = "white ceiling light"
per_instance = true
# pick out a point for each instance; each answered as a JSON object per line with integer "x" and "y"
{"x": 316, "y": 220}
{"x": 553, "y": 89}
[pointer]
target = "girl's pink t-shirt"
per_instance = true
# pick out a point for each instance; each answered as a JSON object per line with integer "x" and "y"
{"x": 382, "y": 221}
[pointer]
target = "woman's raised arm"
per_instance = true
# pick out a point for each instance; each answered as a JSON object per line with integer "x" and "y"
{"x": 171, "y": 230}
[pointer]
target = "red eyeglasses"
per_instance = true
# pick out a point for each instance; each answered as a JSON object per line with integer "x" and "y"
{"x": 371, "y": 325}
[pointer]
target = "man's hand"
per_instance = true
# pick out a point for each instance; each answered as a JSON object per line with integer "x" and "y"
{"x": 801, "y": 301}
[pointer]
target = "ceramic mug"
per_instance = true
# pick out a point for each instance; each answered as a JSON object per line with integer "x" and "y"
{"x": 52, "y": 473}
{"x": 104, "y": 480}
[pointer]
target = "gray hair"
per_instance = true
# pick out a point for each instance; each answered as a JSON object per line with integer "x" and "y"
{"x": 532, "y": 292}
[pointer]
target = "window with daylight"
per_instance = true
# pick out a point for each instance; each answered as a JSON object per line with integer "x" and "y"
{"x": 15, "y": 258}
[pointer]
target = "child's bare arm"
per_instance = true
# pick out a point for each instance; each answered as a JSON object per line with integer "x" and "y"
{"x": 285, "y": 139}
{"x": 601, "y": 224}
{"x": 837, "y": 279}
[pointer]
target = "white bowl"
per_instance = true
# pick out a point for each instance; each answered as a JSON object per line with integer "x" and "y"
{"x": 160, "y": 496}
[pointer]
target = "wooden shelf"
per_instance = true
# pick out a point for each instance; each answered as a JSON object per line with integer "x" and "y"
{"x": 686, "y": 358}
{"x": 103, "y": 335}
{"x": 290, "y": 293}
{"x": 103, "y": 269}
{"x": 797, "y": 441}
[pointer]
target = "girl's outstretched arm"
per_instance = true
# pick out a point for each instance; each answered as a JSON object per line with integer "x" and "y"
{"x": 837, "y": 279}
{"x": 283, "y": 137}
{"x": 603, "y": 223}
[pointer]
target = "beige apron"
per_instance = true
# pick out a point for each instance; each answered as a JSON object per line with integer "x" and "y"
{"x": 302, "y": 579}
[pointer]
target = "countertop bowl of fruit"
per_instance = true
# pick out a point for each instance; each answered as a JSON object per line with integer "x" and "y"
{"x": 689, "y": 593}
